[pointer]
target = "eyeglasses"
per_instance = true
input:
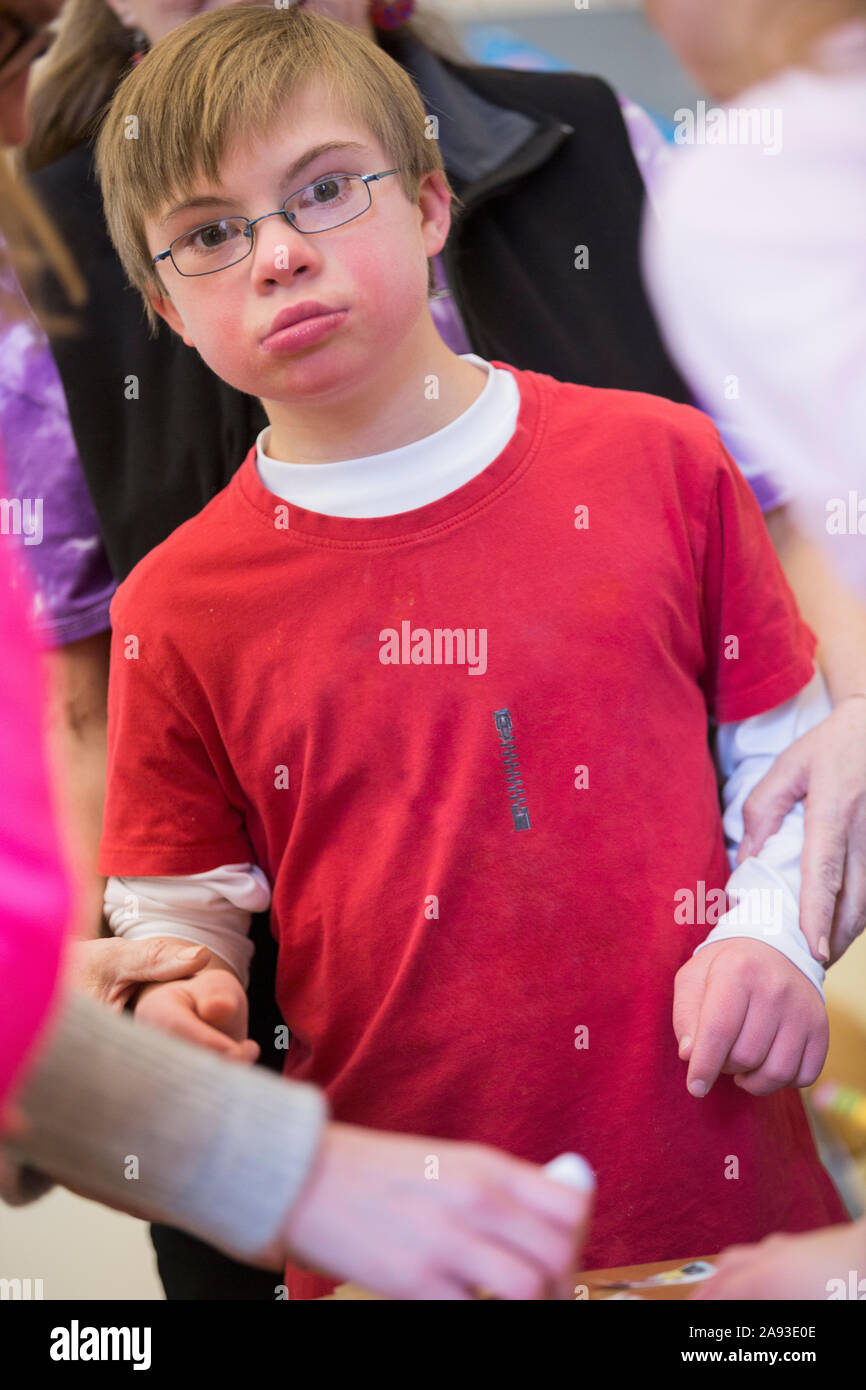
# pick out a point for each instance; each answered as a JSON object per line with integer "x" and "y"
{"x": 318, "y": 207}
{"x": 21, "y": 43}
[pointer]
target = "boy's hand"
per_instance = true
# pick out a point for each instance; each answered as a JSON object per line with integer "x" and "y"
{"x": 210, "y": 1009}
{"x": 741, "y": 1007}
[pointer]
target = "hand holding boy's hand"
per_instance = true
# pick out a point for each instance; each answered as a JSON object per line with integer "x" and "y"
{"x": 111, "y": 969}
{"x": 210, "y": 1009}
{"x": 743, "y": 1008}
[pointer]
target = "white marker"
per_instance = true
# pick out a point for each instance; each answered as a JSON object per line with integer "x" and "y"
{"x": 573, "y": 1171}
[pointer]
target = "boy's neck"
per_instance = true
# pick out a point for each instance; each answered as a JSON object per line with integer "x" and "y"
{"x": 404, "y": 401}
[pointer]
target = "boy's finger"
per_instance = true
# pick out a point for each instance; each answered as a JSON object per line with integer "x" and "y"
{"x": 223, "y": 1011}
{"x": 722, "y": 1013}
{"x": 779, "y": 1067}
{"x": 689, "y": 989}
{"x": 183, "y": 1022}
{"x": 754, "y": 1040}
{"x": 812, "y": 1061}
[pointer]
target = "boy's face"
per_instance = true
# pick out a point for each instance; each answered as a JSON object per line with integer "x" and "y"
{"x": 373, "y": 269}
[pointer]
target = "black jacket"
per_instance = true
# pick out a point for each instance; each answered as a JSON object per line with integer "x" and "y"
{"x": 543, "y": 164}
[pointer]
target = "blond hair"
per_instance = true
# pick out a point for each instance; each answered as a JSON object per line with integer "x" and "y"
{"x": 67, "y": 89}
{"x": 29, "y": 245}
{"x": 228, "y": 75}
{"x": 74, "y": 82}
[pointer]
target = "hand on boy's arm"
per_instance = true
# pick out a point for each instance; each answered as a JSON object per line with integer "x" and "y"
{"x": 209, "y": 1009}
{"x": 827, "y": 767}
{"x": 741, "y": 1007}
{"x": 827, "y": 764}
{"x": 111, "y": 970}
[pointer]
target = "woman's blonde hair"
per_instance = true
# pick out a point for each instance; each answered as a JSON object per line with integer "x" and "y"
{"x": 30, "y": 245}
{"x": 229, "y": 75}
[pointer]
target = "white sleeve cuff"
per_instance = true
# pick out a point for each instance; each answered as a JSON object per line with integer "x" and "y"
{"x": 765, "y": 889}
{"x": 212, "y": 909}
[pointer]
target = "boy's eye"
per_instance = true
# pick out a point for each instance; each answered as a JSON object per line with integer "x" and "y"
{"x": 213, "y": 237}
{"x": 330, "y": 190}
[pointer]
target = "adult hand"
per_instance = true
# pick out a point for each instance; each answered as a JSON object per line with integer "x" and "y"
{"x": 815, "y": 1265}
{"x": 377, "y": 1211}
{"x": 827, "y": 767}
{"x": 111, "y": 969}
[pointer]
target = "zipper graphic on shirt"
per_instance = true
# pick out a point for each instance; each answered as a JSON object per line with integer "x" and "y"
{"x": 513, "y": 780}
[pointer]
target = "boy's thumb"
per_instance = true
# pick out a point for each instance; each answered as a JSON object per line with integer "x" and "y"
{"x": 216, "y": 1005}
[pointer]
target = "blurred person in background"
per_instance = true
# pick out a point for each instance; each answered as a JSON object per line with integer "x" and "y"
{"x": 756, "y": 266}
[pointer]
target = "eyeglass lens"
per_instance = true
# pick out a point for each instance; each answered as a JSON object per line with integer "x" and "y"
{"x": 317, "y": 208}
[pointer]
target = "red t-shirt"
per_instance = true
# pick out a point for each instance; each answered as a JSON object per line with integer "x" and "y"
{"x": 474, "y": 862}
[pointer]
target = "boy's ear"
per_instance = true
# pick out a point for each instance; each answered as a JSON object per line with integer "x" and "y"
{"x": 434, "y": 202}
{"x": 166, "y": 310}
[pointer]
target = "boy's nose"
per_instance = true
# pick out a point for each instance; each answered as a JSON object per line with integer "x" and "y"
{"x": 277, "y": 245}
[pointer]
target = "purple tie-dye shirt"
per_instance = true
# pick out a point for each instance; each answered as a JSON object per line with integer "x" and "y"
{"x": 62, "y": 546}
{"x": 48, "y": 521}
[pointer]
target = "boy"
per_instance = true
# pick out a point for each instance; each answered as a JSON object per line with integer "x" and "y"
{"x": 438, "y": 687}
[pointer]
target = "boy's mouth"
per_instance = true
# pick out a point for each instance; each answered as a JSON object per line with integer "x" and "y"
{"x": 301, "y": 325}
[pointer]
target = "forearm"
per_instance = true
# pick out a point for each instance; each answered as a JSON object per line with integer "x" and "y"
{"x": 834, "y": 612}
{"x": 169, "y": 1131}
{"x": 77, "y": 686}
{"x": 764, "y": 889}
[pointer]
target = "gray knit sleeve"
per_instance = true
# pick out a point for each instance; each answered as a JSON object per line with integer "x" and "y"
{"x": 145, "y": 1121}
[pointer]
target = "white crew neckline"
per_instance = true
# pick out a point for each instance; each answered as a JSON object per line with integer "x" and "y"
{"x": 401, "y": 480}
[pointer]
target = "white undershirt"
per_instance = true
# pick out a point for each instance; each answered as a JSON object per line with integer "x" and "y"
{"x": 214, "y": 907}
{"x": 402, "y": 479}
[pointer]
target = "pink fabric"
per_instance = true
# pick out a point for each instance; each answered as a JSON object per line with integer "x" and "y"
{"x": 35, "y": 893}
